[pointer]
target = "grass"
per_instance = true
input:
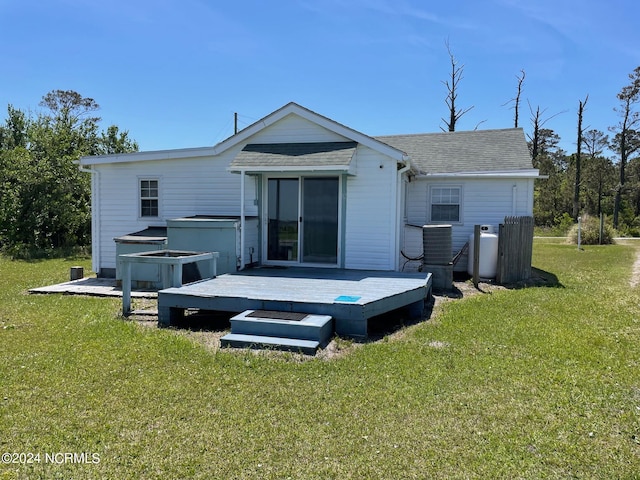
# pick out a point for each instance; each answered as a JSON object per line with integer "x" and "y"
{"x": 531, "y": 383}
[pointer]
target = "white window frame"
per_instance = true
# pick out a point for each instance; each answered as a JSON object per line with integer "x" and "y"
{"x": 432, "y": 190}
{"x": 141, "y": 198}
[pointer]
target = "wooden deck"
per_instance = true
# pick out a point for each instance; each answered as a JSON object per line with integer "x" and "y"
{"x": 351, "y": 297}
{"x": 95, "y": 287}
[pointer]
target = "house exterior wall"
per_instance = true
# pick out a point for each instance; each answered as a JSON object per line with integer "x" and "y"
{"x": 371, "y": 219}
{"x": 484, "y": 202}
{"x": 197, "y": 186}
{"x": 203, "y": 186}
{"x": 375, "y": 203}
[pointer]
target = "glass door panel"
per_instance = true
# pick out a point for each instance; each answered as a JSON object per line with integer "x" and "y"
{"x": 320, "y": 220}
{"x": 283, "y": 216}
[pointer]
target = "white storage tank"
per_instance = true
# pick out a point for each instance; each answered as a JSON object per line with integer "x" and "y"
{"x": 488, "y": 258}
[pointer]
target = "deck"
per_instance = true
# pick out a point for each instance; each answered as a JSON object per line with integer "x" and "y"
{"x": 351, "y": 297}
{"x": 95, "y": 287}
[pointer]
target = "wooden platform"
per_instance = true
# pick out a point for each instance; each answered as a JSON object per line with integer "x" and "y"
{"x": 289, "y": 331}
{"x": 95, "y": 287}
{"x": 351, "y": 297}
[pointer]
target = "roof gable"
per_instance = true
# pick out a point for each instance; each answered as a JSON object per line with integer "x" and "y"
{"x": 331, "y": 125}
{"x": 479, "y": 151}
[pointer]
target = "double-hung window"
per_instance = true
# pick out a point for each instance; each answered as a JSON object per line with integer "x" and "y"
{"x": 445, "y": 203}
{"x": 149, "y": 198}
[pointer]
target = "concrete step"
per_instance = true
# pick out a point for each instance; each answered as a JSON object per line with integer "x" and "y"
{"x": 308, "y": 347}
{"x": 318, "y": 328}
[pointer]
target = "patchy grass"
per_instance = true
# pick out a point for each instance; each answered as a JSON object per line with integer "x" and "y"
{"x": 531, "y": 383}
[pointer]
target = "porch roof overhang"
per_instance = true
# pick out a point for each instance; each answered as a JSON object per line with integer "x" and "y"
{"x": 295, "y": 157}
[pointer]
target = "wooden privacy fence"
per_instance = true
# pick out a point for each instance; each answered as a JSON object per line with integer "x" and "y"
{"x": 515, "y": 248}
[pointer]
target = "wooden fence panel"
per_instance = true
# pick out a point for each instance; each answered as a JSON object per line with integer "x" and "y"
{"x": 515, "y": 249}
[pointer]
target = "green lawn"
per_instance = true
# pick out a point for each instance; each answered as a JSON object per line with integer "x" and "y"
{"x": 534, "y": 383}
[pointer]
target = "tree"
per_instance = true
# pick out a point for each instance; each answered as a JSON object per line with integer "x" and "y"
{"x": 551, "y": 197}
{"x": 540, "y": 135}
{"x": 516, "y": 99}
{"x": 44, "y": 198}
{"x": 452, "y": 93}
{"x": 629, "y": 96}
{"x": 69, "y": 108}
{"x": 14, "y": 133}
{"x": 599, "y": 172}
{"x": 114, "y": 141}
{"x": 578, "y": 158}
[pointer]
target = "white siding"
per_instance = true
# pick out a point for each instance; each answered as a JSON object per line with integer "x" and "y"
{"x": 202, "y": 186}
{"x": 199, "y": 186}
{"x": 371, "y": 213}
{"x": 370, "y": 222}
{"x": 485, "y": 202}
{"x": 189, "y": 186}
{"x": 295, "y": 129}
{"x": 251, "y": 241}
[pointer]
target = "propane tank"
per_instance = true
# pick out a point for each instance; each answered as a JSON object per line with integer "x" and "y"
{"x": 488, "y": 257}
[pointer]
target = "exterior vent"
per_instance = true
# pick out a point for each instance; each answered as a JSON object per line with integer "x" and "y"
{"x": 437, "y": 244}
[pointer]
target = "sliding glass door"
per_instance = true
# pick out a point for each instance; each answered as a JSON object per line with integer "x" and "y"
{"x": 302, "y": 220}
{"x": 320, "y": 220}
{"x": 283, "y": 217}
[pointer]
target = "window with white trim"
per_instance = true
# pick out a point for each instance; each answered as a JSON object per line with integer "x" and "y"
{"x": 445, "y": 203}
{"x": 149, "y": 197}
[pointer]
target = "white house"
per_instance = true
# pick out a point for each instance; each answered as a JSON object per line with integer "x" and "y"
{"x": 310, "y": 191}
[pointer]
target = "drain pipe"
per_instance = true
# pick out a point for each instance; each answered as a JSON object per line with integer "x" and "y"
{"x": 406, "y": 168}
{"x": 242, "y": 220}
{"x": 95, "y": 224}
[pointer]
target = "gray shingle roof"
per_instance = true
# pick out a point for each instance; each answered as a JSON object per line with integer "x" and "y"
{"x": 465, "y": 152}
{"x": 269, "y": 155}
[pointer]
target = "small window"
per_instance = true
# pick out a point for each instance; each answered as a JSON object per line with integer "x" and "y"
{"x": 149, "y": 198}
{"x": 445, "y": 204}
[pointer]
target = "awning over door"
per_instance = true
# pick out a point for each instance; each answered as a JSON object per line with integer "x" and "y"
{"x": 279, "y": 157}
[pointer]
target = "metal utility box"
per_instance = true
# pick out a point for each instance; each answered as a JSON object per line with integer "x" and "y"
{"x": 214, "y": 234}
{"x": 147, "y": 240}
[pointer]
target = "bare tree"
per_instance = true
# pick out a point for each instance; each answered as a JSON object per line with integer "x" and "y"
{"x": 538, "y": 122}
{"x": 576, "y": 191}
{"x": 452, "y": 93}
{"x": 516, "y": 99}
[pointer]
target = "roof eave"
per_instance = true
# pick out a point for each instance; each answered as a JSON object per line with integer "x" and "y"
{"x": 147, "y": 156}
{"x": 348, "y": 169}
{"x": 529, "y": 173}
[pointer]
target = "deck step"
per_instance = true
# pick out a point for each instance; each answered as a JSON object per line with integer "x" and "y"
{"x": 238, "y": 340}
{"x": 318, "y": 328}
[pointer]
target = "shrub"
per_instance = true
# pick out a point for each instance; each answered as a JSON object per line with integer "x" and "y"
{"x": 563, "y": 224}
{"x": 590, "y": 232}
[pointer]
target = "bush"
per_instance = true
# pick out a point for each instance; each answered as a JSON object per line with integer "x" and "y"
{"x": 563, "y": 224}
{"x": 590, "y": 232}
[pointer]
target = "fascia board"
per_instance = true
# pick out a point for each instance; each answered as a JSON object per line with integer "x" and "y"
{"x": 293, "y": 169}
{"x": 148, "y": 156}
{"x": 504, "y": 174}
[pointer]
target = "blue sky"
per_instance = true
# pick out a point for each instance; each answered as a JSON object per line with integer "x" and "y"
{"x": 173, "y": 72}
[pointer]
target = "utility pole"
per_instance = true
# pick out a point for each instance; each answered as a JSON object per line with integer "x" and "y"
{"x": 235, "y": 123}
